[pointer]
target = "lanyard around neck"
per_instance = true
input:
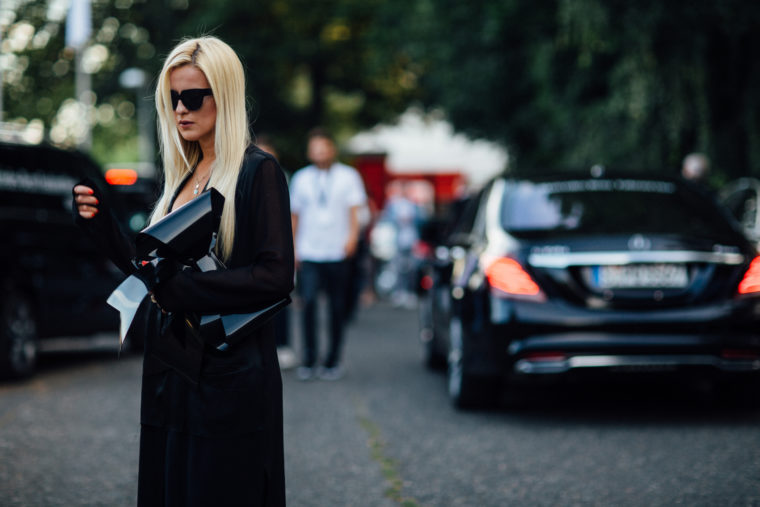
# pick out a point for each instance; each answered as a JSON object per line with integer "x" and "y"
{"x": 324, "y": 184}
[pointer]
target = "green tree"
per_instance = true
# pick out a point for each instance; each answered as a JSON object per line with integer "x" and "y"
{"x": 570, "y": 83}
{"x": 39, "y": 70}
{"x": 561, "y": 83}
{"x": 308, "y": 63}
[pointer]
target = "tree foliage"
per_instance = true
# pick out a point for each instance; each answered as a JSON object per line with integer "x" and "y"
{"x": 562, "y": 83}
{"x": 307, "y": 63}
{"x": 570, "y": 83}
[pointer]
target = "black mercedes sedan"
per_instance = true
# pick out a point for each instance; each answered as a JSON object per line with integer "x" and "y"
{"x": 552, "y": 277}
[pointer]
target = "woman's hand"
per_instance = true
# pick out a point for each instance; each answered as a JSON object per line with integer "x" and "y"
{"x": 86, "y": 202}
{"x": 155, "y": 277}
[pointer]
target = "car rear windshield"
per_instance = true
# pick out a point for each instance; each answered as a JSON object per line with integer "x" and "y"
{"x": 610, "y": 206}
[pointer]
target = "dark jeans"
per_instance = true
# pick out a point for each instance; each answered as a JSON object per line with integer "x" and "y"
{"x": 332, "y": 278}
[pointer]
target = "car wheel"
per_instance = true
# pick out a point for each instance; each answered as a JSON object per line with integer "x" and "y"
{"x": 431, "y": 357}
{"x": 18, "y": 336}
{"x": 466, "y": 390}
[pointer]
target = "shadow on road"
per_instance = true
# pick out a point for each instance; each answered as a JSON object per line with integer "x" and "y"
{"x": 58, "y": 361}
{"x": 682, "y": 402}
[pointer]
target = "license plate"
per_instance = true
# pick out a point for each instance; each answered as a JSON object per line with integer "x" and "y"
{"x": 640, "y": 276}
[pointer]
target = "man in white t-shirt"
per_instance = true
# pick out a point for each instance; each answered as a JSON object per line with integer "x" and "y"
{"x": 325, "y": 199}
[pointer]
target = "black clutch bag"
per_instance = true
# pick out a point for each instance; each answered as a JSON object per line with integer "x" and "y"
{"x": 224, "y": 330}
{"x": 188, "y": 236}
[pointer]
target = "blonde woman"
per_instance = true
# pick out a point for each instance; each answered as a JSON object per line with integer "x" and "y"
{"x": 214, "y": 438}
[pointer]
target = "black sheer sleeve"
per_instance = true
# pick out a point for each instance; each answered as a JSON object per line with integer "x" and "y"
{"x": 107, "y": 233}
{"x": 262, "y": 265}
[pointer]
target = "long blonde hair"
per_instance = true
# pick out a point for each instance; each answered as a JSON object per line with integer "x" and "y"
{"x": 224, "y": 72}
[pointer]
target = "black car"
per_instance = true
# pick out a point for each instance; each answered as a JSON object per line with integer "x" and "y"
{"x": 553, "y": 277}
{"x": 54, "y": 282}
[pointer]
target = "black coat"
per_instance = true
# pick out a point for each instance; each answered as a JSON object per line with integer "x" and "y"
{"x": 218, "y": 441}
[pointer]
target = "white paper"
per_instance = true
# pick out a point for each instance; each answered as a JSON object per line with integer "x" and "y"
{"x": 126, "y": 299}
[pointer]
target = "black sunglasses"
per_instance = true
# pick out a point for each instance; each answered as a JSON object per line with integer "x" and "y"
{"x": 192, "y": 99}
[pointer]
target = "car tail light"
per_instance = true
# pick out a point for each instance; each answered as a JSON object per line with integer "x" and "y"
{"x": 121, "y": 176}
{"x": 508, "y": 276}
{"x": 546, "y": 356}
{"x": 739, "y": 354}
{"x": 751, "y": 282}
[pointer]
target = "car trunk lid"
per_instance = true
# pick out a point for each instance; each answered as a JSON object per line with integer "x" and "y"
{"x": 636, "y": 271}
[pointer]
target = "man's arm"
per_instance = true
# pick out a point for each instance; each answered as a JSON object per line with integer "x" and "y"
{"x": 294, "y": 225}
{"x": 353, "y": 231}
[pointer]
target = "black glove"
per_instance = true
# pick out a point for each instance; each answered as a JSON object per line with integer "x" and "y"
{"x": 165, "y": 269}
{"x": 168, "y": 275}
{"x": 153, "y": 275}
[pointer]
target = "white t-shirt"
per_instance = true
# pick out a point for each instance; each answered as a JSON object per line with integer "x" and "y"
{"x": 322, "y": 199}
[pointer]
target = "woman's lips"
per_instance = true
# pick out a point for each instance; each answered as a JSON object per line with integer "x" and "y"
{"x": 185, "y": 124}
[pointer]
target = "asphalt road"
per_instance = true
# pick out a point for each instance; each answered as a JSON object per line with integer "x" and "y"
{"x": 385, "y": 435}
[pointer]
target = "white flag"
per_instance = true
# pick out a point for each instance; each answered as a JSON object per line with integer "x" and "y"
{"x": 78, "y": 23}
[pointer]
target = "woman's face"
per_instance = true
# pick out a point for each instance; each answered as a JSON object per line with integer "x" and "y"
{"x": 198, "y": 125}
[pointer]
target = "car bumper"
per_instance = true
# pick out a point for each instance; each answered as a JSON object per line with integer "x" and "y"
{"x": 544, "y": 339}
{"x": 633, "y": 363}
